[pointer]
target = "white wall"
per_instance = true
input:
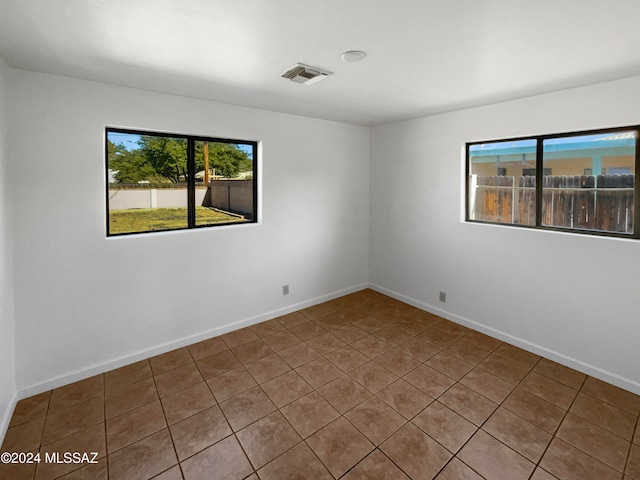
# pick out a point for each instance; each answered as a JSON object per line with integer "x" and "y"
{"x": 85, "y": 303}
{"x": 573, "y": 298}
{"x": 7, "y": 321}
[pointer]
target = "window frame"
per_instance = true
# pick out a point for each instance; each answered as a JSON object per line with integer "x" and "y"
{"x": 191, "y": 179}
{"x": 539, "y": 182}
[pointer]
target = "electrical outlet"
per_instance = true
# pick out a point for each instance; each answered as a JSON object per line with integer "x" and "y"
{"x": 285, "y": 289}
{"x": 443, "y": 297}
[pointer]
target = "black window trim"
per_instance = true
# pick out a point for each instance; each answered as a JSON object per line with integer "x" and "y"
{"x": 539, "y": 175}
{"x": 191, "y": 180}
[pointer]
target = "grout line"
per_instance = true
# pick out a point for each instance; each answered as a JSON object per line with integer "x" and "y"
{"x": 104, "y": 408}
{"x": 555, "y": 432}
{"x": 553, "y": 435}
{"x": 478, "y": 428}
{"x": 233, "y": 433}
{"x": 153, "y": 377}
{"x": 631, "y": 444}
{"x": 44, "y": 424}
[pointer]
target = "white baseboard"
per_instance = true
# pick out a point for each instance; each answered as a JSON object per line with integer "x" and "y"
{"x": 103, "y": 367}
{"x": 558, "y": 357}
{"x": 6, "y": 417}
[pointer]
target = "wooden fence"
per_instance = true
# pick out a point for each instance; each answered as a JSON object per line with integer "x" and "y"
{"x": 602, "y": 202}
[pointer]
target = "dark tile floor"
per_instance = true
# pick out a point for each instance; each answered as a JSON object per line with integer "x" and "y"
{"x": 361, "y": 387}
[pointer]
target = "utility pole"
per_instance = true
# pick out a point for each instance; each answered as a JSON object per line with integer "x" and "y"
{"x": 206, "y": 164}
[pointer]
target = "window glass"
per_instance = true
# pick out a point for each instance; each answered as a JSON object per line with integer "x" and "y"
{"x": 589, "y": 182}
{"x": 502, "y": 183}
{"x": 224, "y": 182}
{"x": 147, "y": 182}
{"x": 159, "y": 182}
{"x": 585, "y": 182}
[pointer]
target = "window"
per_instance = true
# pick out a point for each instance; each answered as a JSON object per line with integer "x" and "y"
{"x": 159, "y": 182}
{"x": 580, "y": 182}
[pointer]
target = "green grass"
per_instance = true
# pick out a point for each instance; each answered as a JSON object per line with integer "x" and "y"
{"x": 150, "y": 219}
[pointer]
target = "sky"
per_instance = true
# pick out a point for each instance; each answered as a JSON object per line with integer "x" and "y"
{"x": 127, "y": 140}
{"x": 549, "y": 141}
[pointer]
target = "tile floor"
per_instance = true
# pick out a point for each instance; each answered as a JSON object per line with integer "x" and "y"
{"x": 361, "y": 387}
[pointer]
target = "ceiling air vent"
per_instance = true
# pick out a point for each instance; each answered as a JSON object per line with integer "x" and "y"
{"x": 301, "y": 73}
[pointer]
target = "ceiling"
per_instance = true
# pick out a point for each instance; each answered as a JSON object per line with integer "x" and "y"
{"x": 423, "y": 56}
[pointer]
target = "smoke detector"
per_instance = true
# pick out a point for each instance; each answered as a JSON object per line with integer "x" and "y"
{"x": 353, "y": 56}
{"x": 301, "y": 73}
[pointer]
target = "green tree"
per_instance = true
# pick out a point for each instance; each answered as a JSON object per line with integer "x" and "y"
{"x": 161, "y": 158}
{"x": 227, "y": 159}
{"x": 167, "y": 156}
{"x": 113, "y": 150}
{"x": 128, "y": 166}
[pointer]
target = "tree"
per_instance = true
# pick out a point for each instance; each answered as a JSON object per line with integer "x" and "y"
{"x": 128, "y": 166}
{"x": 167, "y": 156}
{"x": 227, "y": 159}
{"x": 113, "y": 149}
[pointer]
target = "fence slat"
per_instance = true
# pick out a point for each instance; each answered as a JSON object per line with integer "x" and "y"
{"x": 603, "y": 202}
